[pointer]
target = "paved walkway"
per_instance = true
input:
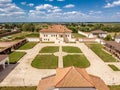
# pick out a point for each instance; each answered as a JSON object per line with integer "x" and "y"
{"x": 99, "y": 68}
{"x": 25, "y": 75}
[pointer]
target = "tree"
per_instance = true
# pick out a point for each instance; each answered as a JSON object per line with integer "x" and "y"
{"x": 28, "y": 27}
{"x": 108, "y": 38}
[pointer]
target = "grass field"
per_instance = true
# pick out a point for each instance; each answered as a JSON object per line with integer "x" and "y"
{"x": 114, "y": 87}
{"x": 17, "y": 88}
{"x": 76, "y": 60}
{"x": 71, "y": 49}
{"x": 28, "y": 45}
{"x": 113, "y": 67}
{"x": 76, "y": 35}
{"x": 45, "y": 62}
{"x": 49, "y": 49}
{"x": 16, "y": 56}
{"x": 98, "y": 49}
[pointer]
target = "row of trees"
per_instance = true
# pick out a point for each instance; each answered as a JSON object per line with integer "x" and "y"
{"x": 90, "y": 27}
{"x": 86, "y": 27}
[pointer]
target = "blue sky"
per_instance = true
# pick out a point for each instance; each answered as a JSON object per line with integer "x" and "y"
{"x": 59, "y": 10}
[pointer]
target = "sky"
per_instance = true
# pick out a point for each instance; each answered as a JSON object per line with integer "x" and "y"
{"x": 59, "y": 10}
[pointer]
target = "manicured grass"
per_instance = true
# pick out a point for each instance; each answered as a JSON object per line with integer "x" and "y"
{"x": 76, "y": 35}
{"x": 33, "y": 35}
{"x": 113, "y": 67}
{"x": 18, "y": 88}
{"x": 16, "y": 56}
{"x": 28, "y": 45}
{"x": 49, "y": 49}
{"x": 98, "y": 49}
{"x": 114, "y": 87}
{"x": 76, "y": 60}
{"x": 45, "y": 62}
{"x": 71, "y": 49}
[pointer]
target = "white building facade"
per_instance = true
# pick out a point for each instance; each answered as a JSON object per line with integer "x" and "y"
{"x": 56, "y": 33}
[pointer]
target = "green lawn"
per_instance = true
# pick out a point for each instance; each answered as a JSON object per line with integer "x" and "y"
{"x": 45, "y": 62}
{"x": 33, "y": 34}
{"x": 16, "y": 56}
{"x": 28, "y": 45}
{"x": 18, "y": 88}
{"x": 98, "y": 49}
{"x": 113, "y": 67}
{"x": 114, "y": 87}
{"x": 71, "y": 49}
{"x": 76, "y": 35}
{"x": 49, "y": 49}
{"x": 76, "y": 60}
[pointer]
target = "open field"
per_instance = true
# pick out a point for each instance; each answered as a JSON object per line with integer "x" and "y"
{"x": 76, "y": 35}
{"x": 17, "y": 88}
{"x": 71, "y": 49}
{"x": 76, "y": 60}
{"x": 113, "y": 67}
{"x": 45, "y": 62}
{"x": 16, "y": 56}
{"x": 98, "y": 49}
{"x": 28, "y": 45}
{"x": 50, "y": 49}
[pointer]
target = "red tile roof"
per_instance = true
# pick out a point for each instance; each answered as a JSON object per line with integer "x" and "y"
{"x": 72, "y": 77}
{"x": 56, "y": 29}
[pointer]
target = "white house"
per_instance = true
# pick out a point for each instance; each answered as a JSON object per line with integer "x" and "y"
{"x": 56, "y": 33}
{"x": 71, "y": 78}
{"x": 97, "y": 33}
{"x": 117, "y": 38}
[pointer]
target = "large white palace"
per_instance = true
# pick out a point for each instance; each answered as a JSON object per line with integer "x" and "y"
{"x": 56, "y": 33}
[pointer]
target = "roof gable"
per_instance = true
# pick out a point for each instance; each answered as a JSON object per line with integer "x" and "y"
{"x": 74, "y": 78}
{"x": 56, "y": 29}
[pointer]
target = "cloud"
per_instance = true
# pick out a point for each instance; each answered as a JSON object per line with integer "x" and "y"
{"x": 60, "y": 0}
{"x": 30, "y": 4}
{"x": 95, "y": 12}
{"x": 69, "y": 6}
{"x": 50, "y": 0}
{"x": 113, "y": 4}
{"x": 9, "y": 9}
{"x": 23, "y": 3}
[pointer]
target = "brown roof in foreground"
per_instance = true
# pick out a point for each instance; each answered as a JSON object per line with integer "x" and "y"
{"x": 118, "y": 36}
{"x": 99, "y": 32}
{"x": 56, "y": 29}
{"x": 71, "y": 77}
{"x": 114, "y": 44}
{"x": 2, "y": 57}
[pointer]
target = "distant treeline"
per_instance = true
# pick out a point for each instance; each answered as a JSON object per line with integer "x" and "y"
{"x": 85, "y": 27}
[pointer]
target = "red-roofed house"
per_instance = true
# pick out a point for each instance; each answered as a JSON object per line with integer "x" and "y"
{"x": 56, "y": 33}
{"x": 72, "y": 78}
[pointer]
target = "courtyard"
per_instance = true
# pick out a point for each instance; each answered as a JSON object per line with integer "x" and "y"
{"x": 62, "y": 55}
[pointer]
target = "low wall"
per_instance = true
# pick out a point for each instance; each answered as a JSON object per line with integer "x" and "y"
{"x": 9, "y": 33}
{"x": 82, "y": 33}
{"x": 33, "y": 39}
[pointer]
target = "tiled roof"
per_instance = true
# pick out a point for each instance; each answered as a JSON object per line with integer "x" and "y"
{"x": 2, "y": 57}
{"x": 98, "y": 32}
{"x": 72, "y": 77}
{"x": 113, "y": 44}
{"x": 56, "y": 29}
{"x": 118, "y": 36}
